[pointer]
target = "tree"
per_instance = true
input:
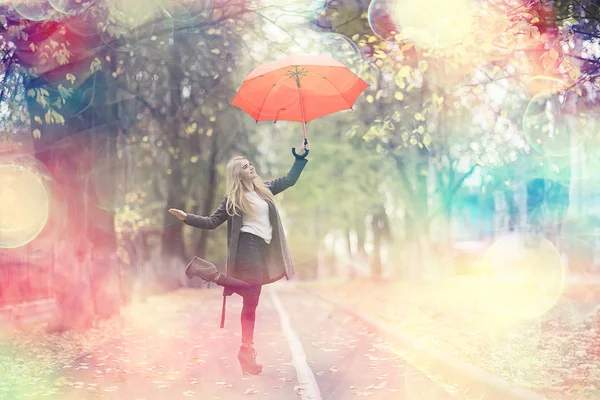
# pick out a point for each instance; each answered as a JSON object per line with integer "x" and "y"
{"x": 66, "y": 71}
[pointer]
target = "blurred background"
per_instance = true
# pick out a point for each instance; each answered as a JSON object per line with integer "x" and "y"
{"x": 476, "y": 142}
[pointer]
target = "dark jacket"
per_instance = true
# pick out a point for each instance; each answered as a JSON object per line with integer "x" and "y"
{"x": 280, "y": 261}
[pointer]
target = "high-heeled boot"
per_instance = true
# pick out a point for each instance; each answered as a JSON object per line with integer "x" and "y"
{"x": 203, "y": 269}
{"x": 247, "y": 358}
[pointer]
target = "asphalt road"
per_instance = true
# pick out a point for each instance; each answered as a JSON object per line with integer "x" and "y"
{"x": 309, "y": 350}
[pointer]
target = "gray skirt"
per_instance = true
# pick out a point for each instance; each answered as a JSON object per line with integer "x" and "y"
{"x": 252, "y": 256}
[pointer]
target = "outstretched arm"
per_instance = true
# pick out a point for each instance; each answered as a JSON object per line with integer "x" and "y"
{"x": 211, "y": 222}
{"x": 280, "y": 184}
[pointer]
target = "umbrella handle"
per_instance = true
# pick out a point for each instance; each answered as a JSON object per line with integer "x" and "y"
{"x": 303, "y": 122}
{"x": 305, "y": 153}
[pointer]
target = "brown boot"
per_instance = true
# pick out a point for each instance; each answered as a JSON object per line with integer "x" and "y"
{"x": 201, "y": 268}
{"x": 247, "y": 358}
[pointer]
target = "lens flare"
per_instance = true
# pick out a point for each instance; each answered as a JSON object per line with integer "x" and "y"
{"x": 433, "y": 23}
{"x": 289, "y": 13}
{"x": 339, "y": 47}
{"x": 335, "y": 45}
{"x": 186, "y": 11}
{"x": 67, "y": 7}
{"x": 127, "y": 38}
{"x": 24, "y": 206}
{"x": 521, "y": 281}
{"x": 133, "y": 13}
{"x": 84, "y": 24}
{"x": 380, "y": 20}
{"x": 34, "y": 10}
{"x": 545, "y": 130}
{"x": 307, "y": 10}
{"x": 544, "y": 84}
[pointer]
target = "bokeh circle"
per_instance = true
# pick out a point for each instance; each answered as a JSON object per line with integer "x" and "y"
{"x": 379, "y": 16}
{"x": 545, "y": 128}
{"x": 34, "y": 10}
{"x": 24, "y": 205}
{"x": 522, "y": 279}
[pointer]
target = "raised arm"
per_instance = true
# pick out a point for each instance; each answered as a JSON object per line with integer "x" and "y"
{"x": 211, "y": 222}
{"x": 280, "y": 184}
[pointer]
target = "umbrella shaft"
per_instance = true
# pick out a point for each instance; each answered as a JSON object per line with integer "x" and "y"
{"x": 301, "y": 101}
{"x": 303, "y": 115}
{"x": 302, "y": 110}
{"x": 297, "y": 77}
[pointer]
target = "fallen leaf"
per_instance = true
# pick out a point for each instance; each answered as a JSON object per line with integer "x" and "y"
{"x": 381, "y": 385}
{"x": 62, "y": 381}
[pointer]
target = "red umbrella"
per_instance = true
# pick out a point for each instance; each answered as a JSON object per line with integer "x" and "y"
{"x": 298, "y": 88}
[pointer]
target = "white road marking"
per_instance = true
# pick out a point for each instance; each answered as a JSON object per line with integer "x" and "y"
{"x": 306, "y": 378}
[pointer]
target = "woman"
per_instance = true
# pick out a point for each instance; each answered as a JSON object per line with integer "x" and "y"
{"x": 257, "y": 251}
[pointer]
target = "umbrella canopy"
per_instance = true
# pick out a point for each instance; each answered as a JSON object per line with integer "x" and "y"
{"x": 298, "y": 88}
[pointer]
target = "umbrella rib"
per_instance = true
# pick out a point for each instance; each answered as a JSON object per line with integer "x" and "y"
{"x": 267, "y": 95}
{"x": 331, "y": 83}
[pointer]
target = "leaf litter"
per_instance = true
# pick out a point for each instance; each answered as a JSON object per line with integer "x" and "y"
{"x": 557, "y": 354}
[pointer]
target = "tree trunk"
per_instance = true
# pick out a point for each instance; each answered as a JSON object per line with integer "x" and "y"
{"x": 417, "y": 212}
{"x": 361, "y": 255}
{"x": 513, "y": 209}
{"x": 349, "y": 265}
{"x": 68, "y": 227}
{"x": 412, "y": 257}
{"x": 85, "y": 273}
{"x": 172, "y": 238}
{"x": 422, "y": 213}
{"x": 377, "y": 234}
{"x": 106, "y": 274}
{"x": 360, "y": 238}
{"x": 445, "y": 252}
{"x": 211, "y": 190}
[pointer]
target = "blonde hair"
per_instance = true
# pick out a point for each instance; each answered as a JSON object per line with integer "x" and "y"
{"x": 237, "y": 203}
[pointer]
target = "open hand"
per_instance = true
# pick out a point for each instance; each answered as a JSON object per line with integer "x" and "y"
{"x": 181, "y": 215}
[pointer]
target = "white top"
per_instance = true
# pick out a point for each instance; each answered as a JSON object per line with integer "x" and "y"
{"x": 259, "y": 225}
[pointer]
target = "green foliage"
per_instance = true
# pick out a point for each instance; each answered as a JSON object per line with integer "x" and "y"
{"x": 428, "y": 116}
{"x": 341, "y": 184}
